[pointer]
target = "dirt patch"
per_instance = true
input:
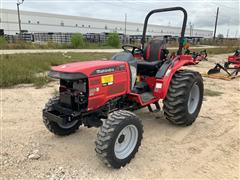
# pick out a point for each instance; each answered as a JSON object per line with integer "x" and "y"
{"x": 209, "y": 92}
{"x": 209, "y": 149}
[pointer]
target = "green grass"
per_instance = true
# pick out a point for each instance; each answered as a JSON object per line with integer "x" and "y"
{"x": 213, "y": 51}
{"x": 25, "y": 68}
{"x": 208, "y": 92}
{"x": 220, "y": 42}
{"x": 50, "y": 45}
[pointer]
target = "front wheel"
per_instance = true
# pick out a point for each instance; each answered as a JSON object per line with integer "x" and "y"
{"x": 184, "y": 98}
{"x": 119, "y": 138}
{"x": 57, "y": 128}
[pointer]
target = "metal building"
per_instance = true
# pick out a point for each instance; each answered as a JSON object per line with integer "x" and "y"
{"x": 36, "y": 22}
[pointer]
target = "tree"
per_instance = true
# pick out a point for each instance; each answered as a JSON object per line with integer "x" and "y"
{"x": 113, "y": 40}
{"x": 77, "y": 40}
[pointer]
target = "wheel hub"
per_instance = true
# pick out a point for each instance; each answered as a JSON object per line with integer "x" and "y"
{"x": 126, "y": 142}
{"x": 121, "y": 138}
{"x": 193, "y": 99}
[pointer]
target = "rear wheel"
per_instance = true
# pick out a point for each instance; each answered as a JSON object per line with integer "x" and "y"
{"x": 184, "y": 98}
{"x": 119, "y": 138}
{"x": 57, "y": 128}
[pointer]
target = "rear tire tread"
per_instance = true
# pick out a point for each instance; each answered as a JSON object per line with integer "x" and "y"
{"x": 174, "y": 105}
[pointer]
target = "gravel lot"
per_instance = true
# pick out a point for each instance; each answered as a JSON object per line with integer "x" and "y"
{"x": 209, "y": 149}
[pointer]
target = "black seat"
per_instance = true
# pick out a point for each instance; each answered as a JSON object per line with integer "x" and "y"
{"x": 155, "y": 50}
{"x": 148, "y": 68}
{"x": 154, "y": 55}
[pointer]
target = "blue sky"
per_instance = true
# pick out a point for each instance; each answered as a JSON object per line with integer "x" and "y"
{"x": 201, "y": 13}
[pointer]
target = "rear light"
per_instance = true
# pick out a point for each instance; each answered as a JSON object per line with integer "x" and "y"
{"x": 158, "y": 87}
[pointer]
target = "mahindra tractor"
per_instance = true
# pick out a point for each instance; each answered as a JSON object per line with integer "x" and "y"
{"x": 105, "y": 94}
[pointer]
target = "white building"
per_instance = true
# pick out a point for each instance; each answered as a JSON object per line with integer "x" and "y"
{"x": 35, "y": 22}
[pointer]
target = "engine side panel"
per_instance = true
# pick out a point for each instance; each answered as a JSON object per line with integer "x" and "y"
{"x": 104, "y": 87}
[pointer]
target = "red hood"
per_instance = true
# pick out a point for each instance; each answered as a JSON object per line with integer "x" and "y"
{"x": 86, "y": 67}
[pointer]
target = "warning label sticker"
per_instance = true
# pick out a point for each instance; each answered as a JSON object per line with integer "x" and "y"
{"x": 107, "y": 80}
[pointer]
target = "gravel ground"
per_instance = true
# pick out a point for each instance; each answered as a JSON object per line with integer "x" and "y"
{"x": 209, "y": 149}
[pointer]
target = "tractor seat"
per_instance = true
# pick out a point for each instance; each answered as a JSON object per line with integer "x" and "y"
{"x": 154, "y": 55}
{"x": 155, "y": 50}
{"x": 148, "y": 68}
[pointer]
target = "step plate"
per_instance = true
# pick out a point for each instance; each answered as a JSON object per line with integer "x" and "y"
{"x": 147, "y": 96}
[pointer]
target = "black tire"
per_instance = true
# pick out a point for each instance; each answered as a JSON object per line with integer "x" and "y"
{"x": 53, "y": 126}
{"x": 109, "y": 134}
{"x": 176, "y": 105}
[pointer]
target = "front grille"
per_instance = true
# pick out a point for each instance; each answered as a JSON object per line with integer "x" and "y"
{"x": 66, "y": 99}
{"x": 74, "y": 94}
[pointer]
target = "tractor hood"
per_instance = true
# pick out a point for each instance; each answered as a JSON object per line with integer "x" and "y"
{"x": 84, "y": 69}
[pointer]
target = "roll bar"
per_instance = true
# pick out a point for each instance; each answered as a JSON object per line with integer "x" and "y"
{"x": 165, "y": 10}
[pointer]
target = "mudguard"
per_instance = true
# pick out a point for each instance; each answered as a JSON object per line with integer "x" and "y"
{"x": 166, "y": 72}
{"x": 162, "y": 71}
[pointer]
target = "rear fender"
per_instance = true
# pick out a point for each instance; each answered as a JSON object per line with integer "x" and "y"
{"x": 170, "y": 68}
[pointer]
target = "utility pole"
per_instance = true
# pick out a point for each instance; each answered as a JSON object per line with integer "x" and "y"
{"x": 216, "y": 21}
{"x": 227, "y": 32}
{"x": 190, "y": 31}
{"x": 125, "y": 29}
{"x": 19, "y": 19}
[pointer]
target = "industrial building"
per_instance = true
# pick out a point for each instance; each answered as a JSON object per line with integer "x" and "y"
{"x": 36, "y": 22}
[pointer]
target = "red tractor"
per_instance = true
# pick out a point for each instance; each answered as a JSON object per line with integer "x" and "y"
{"x": 105, "y": 94}
{"x": 231, "y": 67}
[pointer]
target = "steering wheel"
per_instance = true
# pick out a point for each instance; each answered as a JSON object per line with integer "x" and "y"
{"x": 134, "y": 48}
